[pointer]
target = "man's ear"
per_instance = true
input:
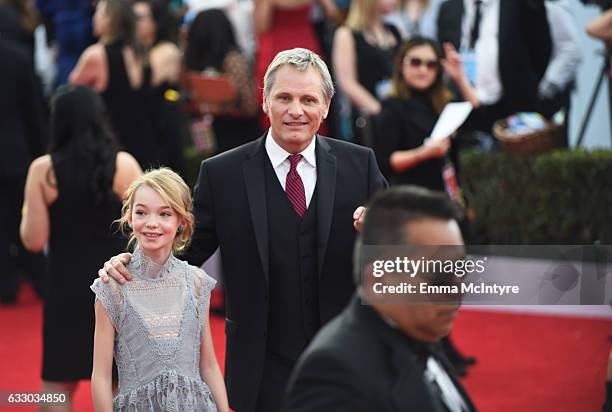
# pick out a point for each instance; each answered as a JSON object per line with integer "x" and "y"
{"x": 326, "y": 110}
{"x": 264, "y": 106}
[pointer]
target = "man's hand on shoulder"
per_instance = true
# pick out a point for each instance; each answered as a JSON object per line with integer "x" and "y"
{"x": 115, "y": 268}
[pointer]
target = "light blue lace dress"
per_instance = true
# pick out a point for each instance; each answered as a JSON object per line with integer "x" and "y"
{"x": 159, "y": 319}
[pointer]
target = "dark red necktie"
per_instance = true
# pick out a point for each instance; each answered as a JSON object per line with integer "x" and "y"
{"x": 475, "y": 32}
{"x": 295, "y": 187}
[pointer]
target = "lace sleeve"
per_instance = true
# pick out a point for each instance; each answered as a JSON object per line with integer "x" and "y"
{"x": 237, "y": 69}
{"x": 111, "y": 297}
{"x": 203, "y": 286}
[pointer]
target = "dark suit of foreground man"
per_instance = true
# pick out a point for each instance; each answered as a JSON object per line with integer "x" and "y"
{"x": 286, "y": 255}
{"x": 382, "y": 356}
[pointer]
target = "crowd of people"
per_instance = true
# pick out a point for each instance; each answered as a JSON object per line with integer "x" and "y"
{"x": 285, "y": 205}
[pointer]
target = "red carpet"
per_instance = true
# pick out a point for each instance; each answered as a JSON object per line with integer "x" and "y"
{"x": 525, "y": 362}
{"x": 21, "y": 352}
{"x": 535, "y": 363}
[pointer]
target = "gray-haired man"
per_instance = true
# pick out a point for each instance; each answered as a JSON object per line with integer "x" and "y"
{"x": 281, "y": 210}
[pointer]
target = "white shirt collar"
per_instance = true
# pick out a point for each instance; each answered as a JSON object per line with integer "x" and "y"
{"x": 278, "y": 155}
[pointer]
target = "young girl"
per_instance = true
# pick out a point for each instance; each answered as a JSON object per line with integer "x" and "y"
{"x": 157, "y": 326}
{"x": 76, "y": 188}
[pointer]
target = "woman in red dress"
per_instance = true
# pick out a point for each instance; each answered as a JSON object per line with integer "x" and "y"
{"x": 281, "y": 25}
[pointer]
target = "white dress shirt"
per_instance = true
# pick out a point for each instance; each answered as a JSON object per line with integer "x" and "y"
{"x": 450, "y": 394}
{"x": 306, "y": 168}
{"x": 426, "y": 26}
{"x": 488, "y": 85}
{"x": 566, "y": 56}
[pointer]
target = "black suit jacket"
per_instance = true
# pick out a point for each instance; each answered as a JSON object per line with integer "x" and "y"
{"x": 359, "y": 363}
{"x": 525, "y": 47}
{"x": 21, "y": 113}
{"x": 231, "y": 212}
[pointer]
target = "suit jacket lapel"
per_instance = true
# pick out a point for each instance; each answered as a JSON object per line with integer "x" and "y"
{"x": 408, "y": 390}
{"x": 254, "y": 180}
{"x": 506, "y": 27}
{"x": 448, "y": 367}
{"x": 326, "y": 189}
{"x": 460, "y": 12}
{"x": 454, "y": 22}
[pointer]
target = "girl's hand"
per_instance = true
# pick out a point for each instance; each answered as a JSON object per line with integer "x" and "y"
{"x": 452, "y": 64}
{"x": 436, "y": 148}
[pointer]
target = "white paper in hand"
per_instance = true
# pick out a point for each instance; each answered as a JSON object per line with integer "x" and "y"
{"x": 451, "y": 118}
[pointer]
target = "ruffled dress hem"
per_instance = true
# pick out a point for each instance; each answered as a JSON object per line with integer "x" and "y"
{"x": 170, "y": 391}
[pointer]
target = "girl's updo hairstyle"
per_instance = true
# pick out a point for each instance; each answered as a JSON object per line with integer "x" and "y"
{"x": 171, "y": 187}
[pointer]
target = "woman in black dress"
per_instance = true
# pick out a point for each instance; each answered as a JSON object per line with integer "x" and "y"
{"x": 408, "y": 117}
{"x": 158, "y": 36}
{"x": 115, "y": 67}
{"x": 72, "y": 196}
{"x": 362, "y": 57}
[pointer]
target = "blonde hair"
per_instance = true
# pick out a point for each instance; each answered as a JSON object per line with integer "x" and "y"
{"x": 173, "y": 189}
{"x": 360, "y": 15}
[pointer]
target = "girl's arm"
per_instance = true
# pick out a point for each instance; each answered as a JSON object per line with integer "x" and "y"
{"x": 209, "y": 369}
{"x": 34, "y": 228}
{"x": 91, "y": 69}
{"x": 102, "y": 375}
{"x": 128, "y": 170}
{"x": 165, "y": 61}
{"x": 262, "y": 15}
{"x": 393, "y": 133}
{"x": 407, "y": 159}
{"x": 344, "y": 62}
{"x": 601, "y": 27}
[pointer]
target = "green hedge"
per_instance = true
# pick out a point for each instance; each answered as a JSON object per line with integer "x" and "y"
{"x": 561, "y": 197}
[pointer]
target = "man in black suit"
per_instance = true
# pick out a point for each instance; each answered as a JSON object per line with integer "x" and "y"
{"x": 281, "y": 211}
{"x": 509, "y": 66}
{"x": 380, "y": 354}
{"x": 21, "y": 139}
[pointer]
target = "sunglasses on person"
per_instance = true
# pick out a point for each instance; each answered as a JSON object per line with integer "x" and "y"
{"x": 418, "y": 62}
